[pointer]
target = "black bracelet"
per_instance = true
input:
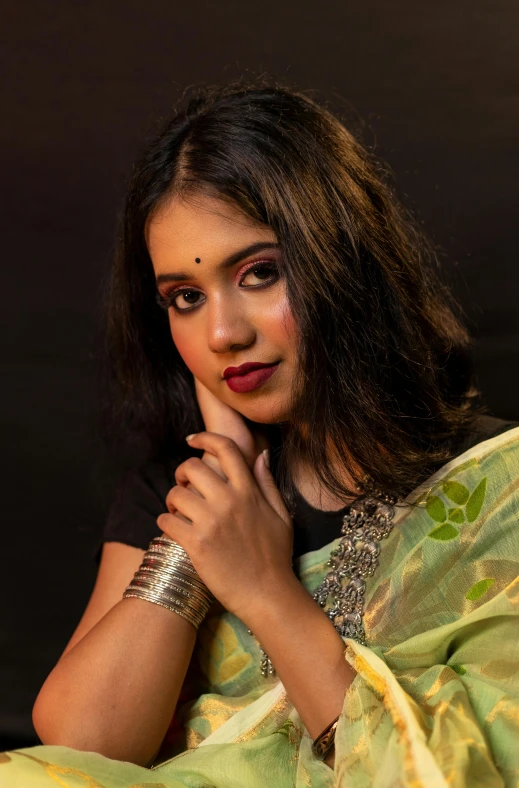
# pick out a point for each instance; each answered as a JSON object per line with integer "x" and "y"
{"x": 325, "y": 741}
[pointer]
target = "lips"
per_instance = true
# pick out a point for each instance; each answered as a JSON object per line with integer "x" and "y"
{"x": 244, "y": 369}
{"x": 253, "y": 379}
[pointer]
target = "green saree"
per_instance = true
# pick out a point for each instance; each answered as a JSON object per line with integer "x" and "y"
{"x": 435, "y": 701}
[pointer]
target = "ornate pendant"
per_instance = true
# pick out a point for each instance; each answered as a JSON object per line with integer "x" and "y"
{"x": 341, "y": 593}
{"x": 266, "y": 666}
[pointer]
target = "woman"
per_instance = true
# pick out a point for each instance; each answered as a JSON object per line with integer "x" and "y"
{"x": 352, "y": 613}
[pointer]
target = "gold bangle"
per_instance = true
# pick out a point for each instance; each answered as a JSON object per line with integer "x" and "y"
{"x": 325, "y": 741}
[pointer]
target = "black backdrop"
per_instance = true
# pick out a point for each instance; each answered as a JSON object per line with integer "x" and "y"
{"x": 437, "y": 86}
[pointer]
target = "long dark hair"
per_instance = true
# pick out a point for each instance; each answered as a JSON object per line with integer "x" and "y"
{"x": 385, "y": 361}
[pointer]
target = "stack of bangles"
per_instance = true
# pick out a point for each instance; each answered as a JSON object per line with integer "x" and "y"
{"x": 168, "y": 578}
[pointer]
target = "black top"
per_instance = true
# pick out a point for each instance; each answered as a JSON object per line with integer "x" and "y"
{"x": 140, "y": 498}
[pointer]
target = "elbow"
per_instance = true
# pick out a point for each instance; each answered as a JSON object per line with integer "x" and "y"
{"x": 42, "y": 719}
{"x": 51, "y": 725}
{"x": 57, "y": 722}
{"x": 54, "y": 727}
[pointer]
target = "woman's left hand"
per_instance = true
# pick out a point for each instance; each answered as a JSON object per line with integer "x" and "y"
{"x": 240, "y": 538}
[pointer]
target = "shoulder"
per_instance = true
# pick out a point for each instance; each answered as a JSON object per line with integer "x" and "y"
{"x": 484, "y": 428}
{"x": 146, "y": 485}
{"x": 468, "y": 488}
{"x": 139, "y": 498}
{"x": 494, "y": 450}
{"x": 486, "y": 466}
{"x": 471, "y": 512}
{"x": 453, "y": 556}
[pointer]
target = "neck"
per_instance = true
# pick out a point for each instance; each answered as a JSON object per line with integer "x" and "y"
{"x": 309, "y": 485}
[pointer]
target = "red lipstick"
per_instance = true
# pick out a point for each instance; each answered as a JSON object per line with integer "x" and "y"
{"x": 243, "y": 369}
{"x": 249, "y": 376}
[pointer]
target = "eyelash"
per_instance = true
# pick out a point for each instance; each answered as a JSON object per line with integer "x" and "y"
{"x": 168, "y": 299}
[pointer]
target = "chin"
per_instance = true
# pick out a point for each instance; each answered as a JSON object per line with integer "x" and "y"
{"x": 264, "y": 415}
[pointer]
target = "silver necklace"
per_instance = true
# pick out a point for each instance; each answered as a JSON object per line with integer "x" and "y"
{"x": 342, "y": 592}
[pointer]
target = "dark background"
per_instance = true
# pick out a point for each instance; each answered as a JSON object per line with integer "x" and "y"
{"x": 437, "y": 87}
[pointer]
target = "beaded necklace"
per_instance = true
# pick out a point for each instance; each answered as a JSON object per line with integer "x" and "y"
{"x": 341, "y": 594}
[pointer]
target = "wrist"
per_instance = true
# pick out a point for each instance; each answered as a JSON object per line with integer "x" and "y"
{"x": 269, "y": 605}
{"x": 167, "y": 577}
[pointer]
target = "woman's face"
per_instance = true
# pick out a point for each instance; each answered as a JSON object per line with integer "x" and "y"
{"x": 230, "y": 307}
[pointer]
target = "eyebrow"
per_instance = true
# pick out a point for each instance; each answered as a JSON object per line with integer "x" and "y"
{"x": 234, "y": 258}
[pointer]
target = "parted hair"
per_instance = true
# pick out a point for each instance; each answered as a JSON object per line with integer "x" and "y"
{"x": 385, "y": 366}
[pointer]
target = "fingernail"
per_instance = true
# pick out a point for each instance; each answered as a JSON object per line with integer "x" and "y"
{"x": 190, "y": 437}
{"x": 266, "y": 455}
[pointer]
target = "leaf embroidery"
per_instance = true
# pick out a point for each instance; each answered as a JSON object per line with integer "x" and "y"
{"x": 479, "y": 588}
{"x": 436, "y": 509}
{"x": 456, "y": 515}
{"x": 457, "y": 492}
{"x": 475, "y": 502}
{"x": 469, "y": 507}
{"x": 444, "y": 532}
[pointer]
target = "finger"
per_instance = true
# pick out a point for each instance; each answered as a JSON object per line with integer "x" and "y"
{"x": 203, "y": 478}
{"x": 268, "y": 487}
{"x": 232, "y": 461}
{"x": 187, "y": 503}
{"x": 177, "y": 530}
{"x": 218, "y": 417}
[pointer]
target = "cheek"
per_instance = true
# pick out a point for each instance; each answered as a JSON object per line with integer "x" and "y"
{"x": 188, "y": 348}
{"x": 279, "y": 325}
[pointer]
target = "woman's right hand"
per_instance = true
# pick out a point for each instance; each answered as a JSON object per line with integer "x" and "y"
{"x": 224, "y": 420}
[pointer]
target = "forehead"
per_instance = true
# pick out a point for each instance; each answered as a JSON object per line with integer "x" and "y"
{"x": 199, "y": 224}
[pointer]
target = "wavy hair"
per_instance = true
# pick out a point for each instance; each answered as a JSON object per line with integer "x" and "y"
{"x": 386, "y": 367}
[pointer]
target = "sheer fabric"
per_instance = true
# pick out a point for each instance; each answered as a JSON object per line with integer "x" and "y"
{"x": 435, "y": 701}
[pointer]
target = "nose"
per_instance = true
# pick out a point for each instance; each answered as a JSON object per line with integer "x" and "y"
{"x": 228, "y": 328}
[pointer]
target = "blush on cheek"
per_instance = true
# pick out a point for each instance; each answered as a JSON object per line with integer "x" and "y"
{"x": 280, "y": 326}
{"x": 188, "y": 350}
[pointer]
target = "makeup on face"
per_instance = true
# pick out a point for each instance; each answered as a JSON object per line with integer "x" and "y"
{"x": 220, "y": 278}
{"x": 172, "y": 296}
{"x": 252, "y": 380}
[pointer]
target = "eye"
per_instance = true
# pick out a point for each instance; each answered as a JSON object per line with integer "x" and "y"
{"x": 169, "y": 299}
{"x": 267, "y": 273}
{"x": 268, "y": 267}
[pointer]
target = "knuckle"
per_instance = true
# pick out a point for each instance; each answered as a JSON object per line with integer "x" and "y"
{"x": 174, "y": 495}
{"x": 227, "y": 509}
{"x": 211, "y": 525}
{"x": 228, "y": 444}
{"x": 247, "y": 497}
{"x": 203, "y": 542}
{"x": 192, "y": 462}
{"x": 185, "y": 467}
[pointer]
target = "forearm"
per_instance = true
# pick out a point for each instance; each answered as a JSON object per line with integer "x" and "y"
{"x": 115, "y": 691}
{"x": 307, "y": 653}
